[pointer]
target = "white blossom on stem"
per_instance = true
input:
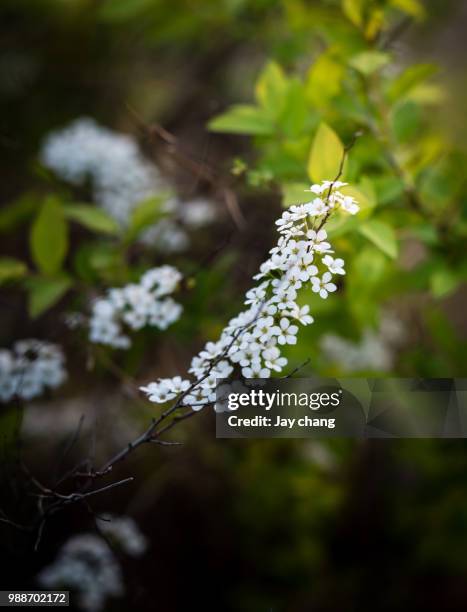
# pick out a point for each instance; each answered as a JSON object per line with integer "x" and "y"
{"x": 251, "y": 342}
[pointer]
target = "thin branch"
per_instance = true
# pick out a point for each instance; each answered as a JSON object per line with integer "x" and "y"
{"x": 338, "y": 175}
{"x": 298, "y": 368}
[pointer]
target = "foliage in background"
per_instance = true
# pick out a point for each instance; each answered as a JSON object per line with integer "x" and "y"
{"x": 356, "y": 92}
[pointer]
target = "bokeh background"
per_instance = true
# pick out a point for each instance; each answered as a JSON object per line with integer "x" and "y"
{"x": 273, "y": 525}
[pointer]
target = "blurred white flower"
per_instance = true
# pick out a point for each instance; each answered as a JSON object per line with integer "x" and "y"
{"x": 136, "y": 305}
{"x": 374, "y": 352}
{"x": 198, "y": 213}
{"x": 121, "y": 178}
{"x": 86, "y": 565}
{"x": 124, "y": 533}
{"x": 31, "y": 367}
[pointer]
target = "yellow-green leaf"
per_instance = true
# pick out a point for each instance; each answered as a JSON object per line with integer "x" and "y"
{"x": 294, "y": 193}
{"x": 294, "y": 113}
{"x": 243, "y": 119}
{"x": 11, "y": 269}
{"x": 414, "y": 8}
{"x": 92, "y": 218}
{"x": 353, "y": 10}
{"x": 324, "y": 79}
{"x": 381, "y": 235}
{"x": 408, "y": 79}
{"x": 271, "y": 89}
{"x": 368, "y": 62}
{"x": 49, "y": 237}
{"x": 326, "y": 154}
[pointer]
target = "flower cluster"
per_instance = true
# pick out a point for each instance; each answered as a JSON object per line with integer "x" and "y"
{"x": 135, "y": 306}
{"x": 31, "y": 367}
{"x": 121, "y": 178}
{"x": 87, "y": 565}
{"x": 253, "y": 340}
{"x": 119, "y": 174}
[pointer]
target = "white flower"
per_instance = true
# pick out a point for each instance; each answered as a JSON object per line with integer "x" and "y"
{"x": 211, "y": 351}
{"x": 304, "y": 268}
{"x": 263, "y": 328}
{"x": 177, "y": 385}
{"x": 255, "y": 296}
{"x": 334, "y": 184}
{"x": 317, "y": 241}
{"x": 323, "y": 286}
{"x": 273, "y": 359}
{"x": 302, "y": 314}
{"x": 199, "y": 397}
{"x": 285, "y": 221}
{"x": 316, "y": 189}
{"x": 223, "y": 369}
{"x": 159, "y": 392}
{"x": 349, "y": 205}
{"x": 285, "y": 332}
{"x": 317, "y": 207}
{"x": 336, "y": 266}
{"x": 256, "y": 371}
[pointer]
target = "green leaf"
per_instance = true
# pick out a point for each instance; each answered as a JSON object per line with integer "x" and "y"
{"x": 294, "y": 113}
{"x": 406, "y": 121}
{"x": 144, "y": 215}
{"x": 243, "y": 119}
{"x": 17, "y": 212}
{"x": 339, "y": 225}
{"x": 381, "y": 235}
{"x": 102, "y": 261}
{"x": 49, "y": 237}
{"x": 92, "y": 217}
{"x": 11, "y": 269}
{"x": 271, "y": 90}
{"x": 414, "y": 8}
{"x": 326, "y": 154}
{"x": 388, "y": 189}
{"x": 294, "y": 193}
{"x": 369, "y": 266}
{"x": 408, "y": 79}
{"x": 44, "y": 292}
{"x": 443, "y": 282}
{"x": 324, "y": 79}
{"x": 368, "y": 62}
{"x": 353, "y": 10}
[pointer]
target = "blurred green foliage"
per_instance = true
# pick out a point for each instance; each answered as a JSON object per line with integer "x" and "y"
{"x": 401, "y": 162}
